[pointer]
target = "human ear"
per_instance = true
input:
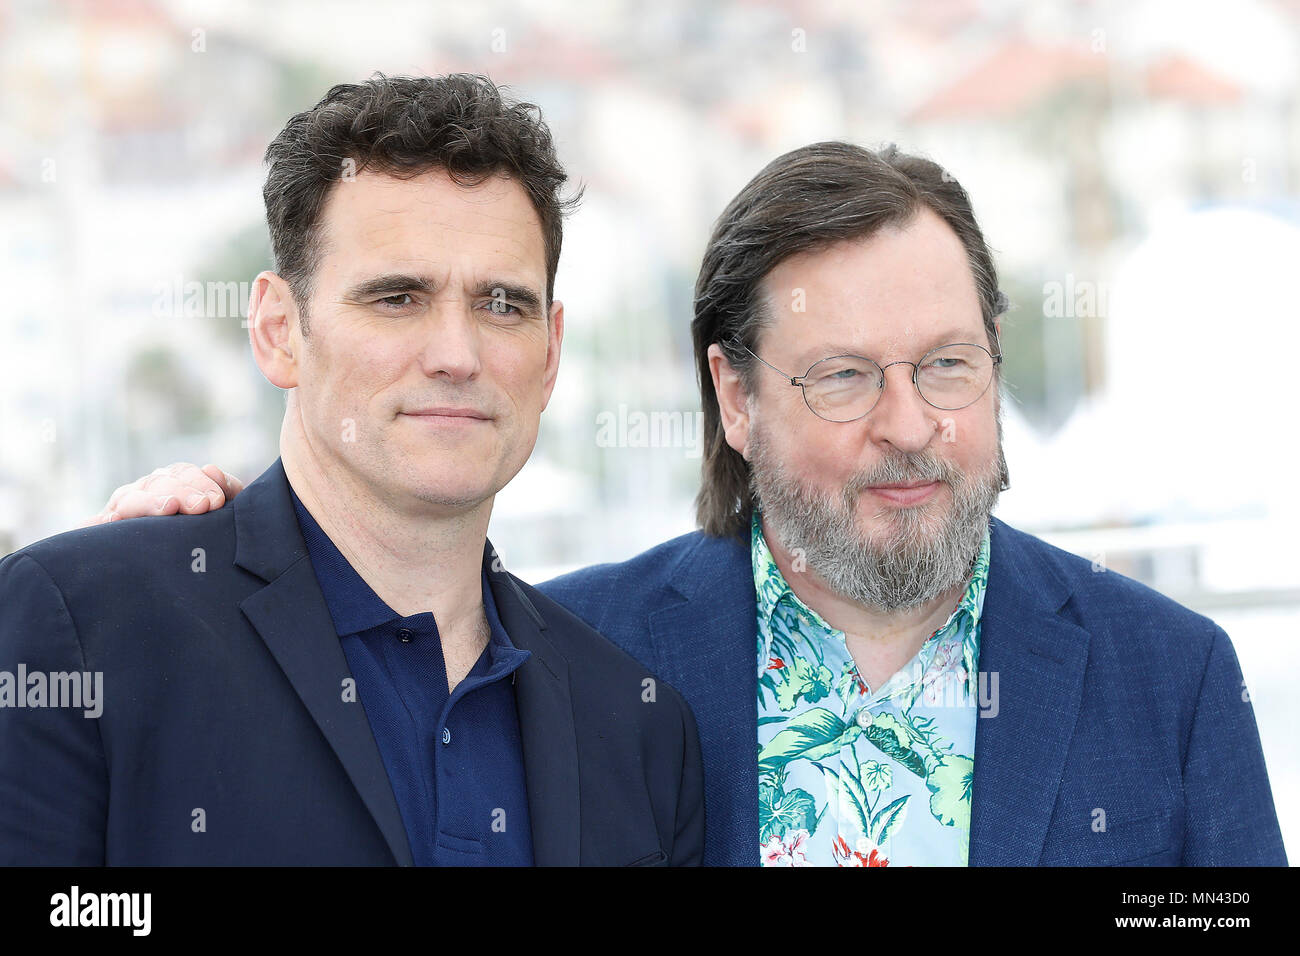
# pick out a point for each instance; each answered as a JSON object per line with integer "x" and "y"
{"x": 274, "y": 330}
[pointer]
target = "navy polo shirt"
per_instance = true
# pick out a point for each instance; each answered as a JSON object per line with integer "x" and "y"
{"x": 454, "y": 760}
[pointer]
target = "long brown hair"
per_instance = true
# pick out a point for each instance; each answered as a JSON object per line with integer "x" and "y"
{"x": 809, "y": 198}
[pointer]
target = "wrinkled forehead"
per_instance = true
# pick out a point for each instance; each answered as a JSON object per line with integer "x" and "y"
{"x": 429, "y": 221}
{"x": 903, "y": 290}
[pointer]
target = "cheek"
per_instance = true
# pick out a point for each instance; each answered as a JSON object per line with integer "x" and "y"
{"x": 969, "y": 445}
{"x": 816, "y": 456}
{"x": 519, "y": 377}
{"x": 342, "y": 378}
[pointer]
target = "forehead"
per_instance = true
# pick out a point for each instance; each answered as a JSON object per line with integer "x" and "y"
{"x": 901, "y": 288}
{"x": 430, "y": 221}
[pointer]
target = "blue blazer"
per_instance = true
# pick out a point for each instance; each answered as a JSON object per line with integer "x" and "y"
{"x": 226, "y": 738}
{"x": 1110, "y": 697}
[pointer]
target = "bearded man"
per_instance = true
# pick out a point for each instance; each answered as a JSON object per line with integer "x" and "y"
{"x": 882, "y": 672}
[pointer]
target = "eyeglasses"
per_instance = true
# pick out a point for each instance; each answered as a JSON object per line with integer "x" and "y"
{"x": 844, "y": 388}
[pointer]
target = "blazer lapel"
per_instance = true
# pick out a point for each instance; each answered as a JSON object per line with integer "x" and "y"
{"x": 291, "y": 617}
{"x": 548, "y": 736}
{"x": 1031, "y": 666}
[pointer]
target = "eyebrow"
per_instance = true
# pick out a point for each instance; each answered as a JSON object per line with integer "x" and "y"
{"x": 382, "y": 286}
{"x": 520, "y": 295}
{"x": 385, "y": 285}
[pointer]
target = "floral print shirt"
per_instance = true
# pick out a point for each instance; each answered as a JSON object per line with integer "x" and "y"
{"x": 849, "y": 776}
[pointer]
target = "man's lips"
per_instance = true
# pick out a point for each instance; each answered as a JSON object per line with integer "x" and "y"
{"x": 447, "y": 412}
{"x": 905, "y": 493}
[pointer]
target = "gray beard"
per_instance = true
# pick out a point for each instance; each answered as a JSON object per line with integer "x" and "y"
{"x": 911, "y": 558}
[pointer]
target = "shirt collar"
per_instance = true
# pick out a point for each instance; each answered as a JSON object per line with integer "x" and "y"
{"x": 354, "y": 606}
{"x": 772, "y": 588}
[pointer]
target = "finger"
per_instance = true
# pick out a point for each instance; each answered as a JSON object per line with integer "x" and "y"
{"x": 104, "y": 517}
{"x": 123, "y": 490}
{"x": 194, "y": 487}
{"x": 195, "y": 491}
{"x": 228, "y": 485}
{"x": 141, "y": 504}
{"x": 172, "y": 479}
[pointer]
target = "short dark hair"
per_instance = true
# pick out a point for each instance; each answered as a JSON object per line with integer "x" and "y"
{"x": 404, "y": 126}
{"x": 805, "y": 200}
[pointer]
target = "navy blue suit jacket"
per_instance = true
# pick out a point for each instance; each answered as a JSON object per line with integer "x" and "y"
{"x": 224, "y": 706}
{"x": 1110, "y": 697}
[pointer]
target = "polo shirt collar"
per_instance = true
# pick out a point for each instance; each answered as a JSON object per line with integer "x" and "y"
{"x": 353, "y": 605}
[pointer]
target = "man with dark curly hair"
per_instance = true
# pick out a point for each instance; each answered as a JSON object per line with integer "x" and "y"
{"x": 337, "y": 669}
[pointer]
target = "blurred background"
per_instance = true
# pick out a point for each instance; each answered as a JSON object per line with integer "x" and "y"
{"x": 1135, "y": 166}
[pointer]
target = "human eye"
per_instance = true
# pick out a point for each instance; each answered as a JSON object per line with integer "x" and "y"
{"x": 501, "y": 307}
{"x": 394, "y": 302}
{"x": 948, "y": 362}
{"x": 841, "y": 369}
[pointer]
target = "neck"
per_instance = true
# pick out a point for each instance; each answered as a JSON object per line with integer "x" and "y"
{"x": 903, "y": 631}
{"x": 414, "y": 557}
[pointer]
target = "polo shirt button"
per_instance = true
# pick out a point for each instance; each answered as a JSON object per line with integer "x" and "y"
{"x": 404, "y": 635}
{"x": 864, "y": 718}
{"x": 446, "y": 735}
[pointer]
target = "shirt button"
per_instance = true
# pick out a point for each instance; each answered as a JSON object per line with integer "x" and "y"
{"x": 404, "y": 635}
{"x": 864, "y": 718}
{"x": 446, "y": 735}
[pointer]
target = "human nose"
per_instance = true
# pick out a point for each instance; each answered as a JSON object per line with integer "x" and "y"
{"x": 901, "y": 416}
{"x": 450, "y": 346}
